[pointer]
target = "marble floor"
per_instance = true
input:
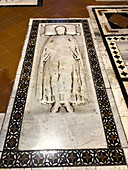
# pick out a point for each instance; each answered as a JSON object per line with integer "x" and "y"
{"x": 68, "y": 108}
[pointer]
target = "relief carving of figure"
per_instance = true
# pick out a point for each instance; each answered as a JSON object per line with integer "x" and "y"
{"x": 60, "y": 80}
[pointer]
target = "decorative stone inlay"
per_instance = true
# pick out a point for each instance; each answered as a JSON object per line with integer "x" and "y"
{"x": 113, "y": 20}
{"x": 119, "y": 62}
{"x": 119, "y": 20}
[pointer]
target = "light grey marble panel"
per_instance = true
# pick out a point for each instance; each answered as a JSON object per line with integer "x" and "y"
{"x": 125, "y": 125}
{"x": 19, "y": 168}
{"x": 62, "y": 130}
{"x": 117, "y": 120}
{"x": 123, "y": 111}
{"x": 112, "y": 168}
{"x": 124, "y": 54}
{"x": 126, "y": 85}
{"x": 2, "y": 115}
{"x": 123, "y": 48}
{"x": 79, "y": 168}
{"x": 126, "y": 154}
{"x": 24, "y": 49}
{"x": 5, "y": 125}
{"x": 52, "y": 168}
{"x": 122, "y": 45}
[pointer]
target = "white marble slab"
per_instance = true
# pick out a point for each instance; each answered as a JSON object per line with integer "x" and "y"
{"x": 112, "y": 167}
{"x": 5, "y": 124}
{"x": 61, "y": 130}
{"x": 52, "y": 168}
{"x": 80, "y": 168}
{"x": 125, "y": 125}
{"x": 2, "y": 115}
{"x": 123, "y": 48}
{"x": 118, "y": 122}
{"x": 126, "y": 85}
{"x": 126, "y": 155}
{"x": 20, "y": 168}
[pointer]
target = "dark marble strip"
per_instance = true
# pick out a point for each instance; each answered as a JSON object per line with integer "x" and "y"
{"x": 60, "y": 158}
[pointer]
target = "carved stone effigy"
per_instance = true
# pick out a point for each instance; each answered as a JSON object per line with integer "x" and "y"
{"x": 62, "y": 79}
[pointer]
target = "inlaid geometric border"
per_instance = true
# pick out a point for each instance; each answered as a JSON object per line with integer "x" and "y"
{"x": 120, "y": 80}
{"x": 60, "y": 158}
{"x": 12, "y": 157}
{"x": 39, "y": 3}
{"x": 119, "y": 62}
{"x": 104, "y": 22}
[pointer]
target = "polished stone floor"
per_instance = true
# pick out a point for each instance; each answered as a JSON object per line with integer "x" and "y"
{"x": 68, "y": 107}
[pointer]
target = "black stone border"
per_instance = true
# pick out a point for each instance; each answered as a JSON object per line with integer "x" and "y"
{"x": 62, "y": 158}
{"x": 12, "y": 157}
{"x": 39, "y": 3}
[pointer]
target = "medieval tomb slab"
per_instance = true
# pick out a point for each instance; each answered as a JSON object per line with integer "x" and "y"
{"x": 62, "y": 92}
{"x": 60, "y": 112}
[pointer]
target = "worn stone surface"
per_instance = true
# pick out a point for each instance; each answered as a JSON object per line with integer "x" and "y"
{"x": 62, "y": 129}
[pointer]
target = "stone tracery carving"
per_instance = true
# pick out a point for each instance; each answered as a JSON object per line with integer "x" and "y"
{"x": 60, "y": 80}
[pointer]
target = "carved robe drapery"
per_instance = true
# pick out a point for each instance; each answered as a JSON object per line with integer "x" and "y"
{"x": 61, "y": 75}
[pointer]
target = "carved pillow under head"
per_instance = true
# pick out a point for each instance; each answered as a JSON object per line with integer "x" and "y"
{"x": 71, "y": 29}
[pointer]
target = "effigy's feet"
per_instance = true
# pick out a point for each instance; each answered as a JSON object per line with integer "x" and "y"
{"x": 68, "y": 107}
{"x": 57, "y": 106}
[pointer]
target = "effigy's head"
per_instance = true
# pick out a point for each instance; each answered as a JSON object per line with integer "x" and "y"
{"x": 60, "y": 30}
